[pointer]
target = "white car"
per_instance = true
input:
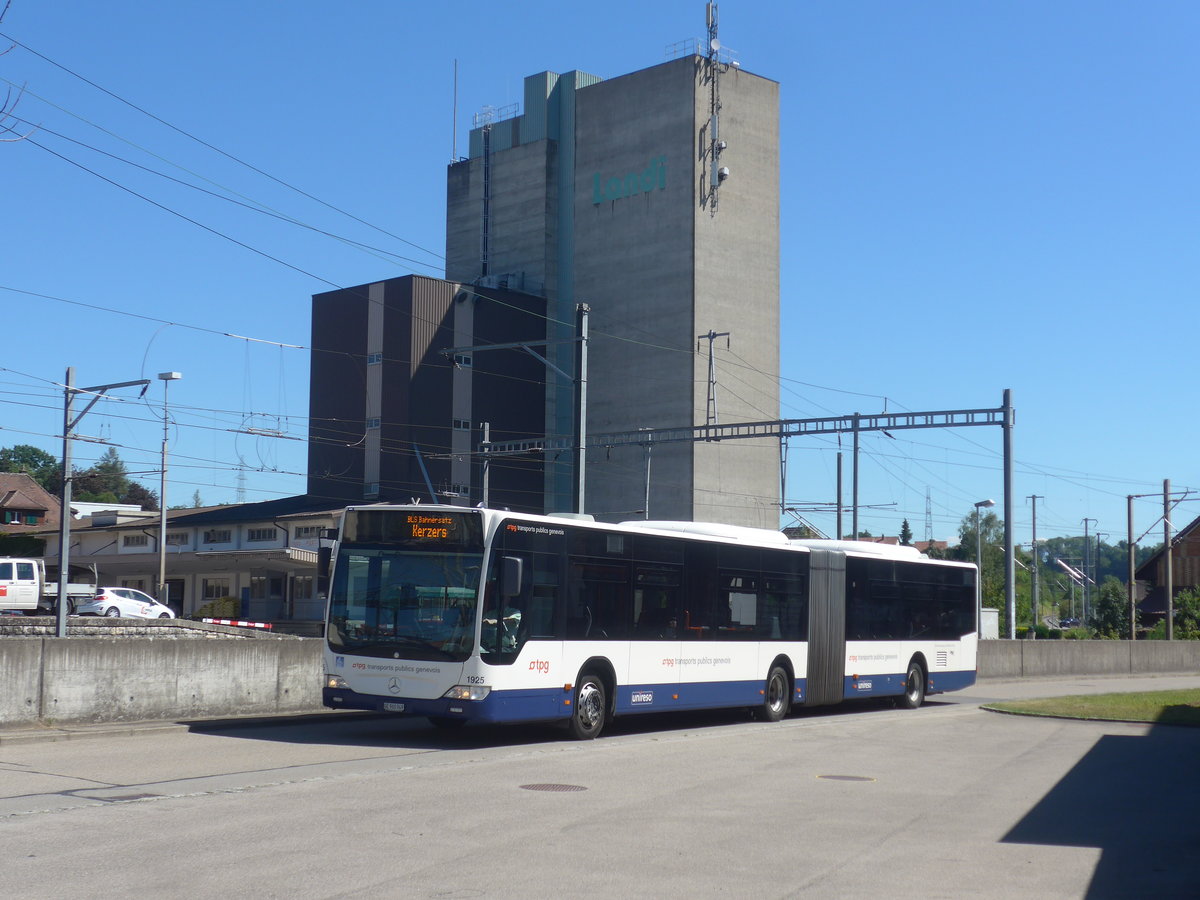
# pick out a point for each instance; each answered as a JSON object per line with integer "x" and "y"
{"x": 125, "y": 603}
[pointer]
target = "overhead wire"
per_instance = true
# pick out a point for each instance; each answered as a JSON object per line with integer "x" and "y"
{"x": 212, "y": 147}
{"x": 782, "y": 381}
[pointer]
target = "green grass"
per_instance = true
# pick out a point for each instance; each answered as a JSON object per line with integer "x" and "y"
{"x": 1156, "y": 707}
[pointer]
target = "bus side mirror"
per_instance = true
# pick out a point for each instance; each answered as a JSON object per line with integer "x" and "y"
{"x": 324, "y": 554}
{"x": 512, "y": 576}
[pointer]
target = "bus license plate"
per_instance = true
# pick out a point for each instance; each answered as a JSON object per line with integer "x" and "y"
{"x": 393, "y": 707}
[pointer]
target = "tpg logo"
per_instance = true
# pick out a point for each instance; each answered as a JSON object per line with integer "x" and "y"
{"x": 616, "y": 188}
{"x": 540, "y": 665}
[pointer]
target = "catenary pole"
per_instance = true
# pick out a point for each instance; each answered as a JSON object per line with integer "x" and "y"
{"x": 1034, "y": 593}
{"x": 1010, "y": 567}
{"x": 1170, "y": 579}
{"x": 70, "y": 420}
{"x": 581, "y": 376}
{"x": 64, "y": 525}
{"x": 485, "y": 445}
{"x": 840, "y": 533}
{"x": 854, "y": 484}
{"x": 1132, "y": 564}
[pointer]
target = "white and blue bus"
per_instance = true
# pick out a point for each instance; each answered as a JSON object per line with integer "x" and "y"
{"x": 480, "y": 615}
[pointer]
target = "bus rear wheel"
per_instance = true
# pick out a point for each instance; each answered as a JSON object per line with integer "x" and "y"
{"x": 776, "y": 696}
{"x": 914, "y": 686}
{"x": 590, "y": 707}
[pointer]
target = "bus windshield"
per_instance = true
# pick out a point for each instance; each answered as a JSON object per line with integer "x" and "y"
{"x": 404, "y": 604}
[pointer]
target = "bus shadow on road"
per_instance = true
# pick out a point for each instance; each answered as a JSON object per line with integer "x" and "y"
{"x": 1135, "y": 798}
{"x": 414, "y": 733}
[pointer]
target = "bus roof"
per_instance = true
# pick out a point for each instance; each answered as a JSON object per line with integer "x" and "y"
{"x": 865, "y": 548}
{"x": 740, "y": 533}
{"x": 761, "y": 537}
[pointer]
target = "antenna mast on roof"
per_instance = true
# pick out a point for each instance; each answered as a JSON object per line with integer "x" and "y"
{"x": 717, "y": 174}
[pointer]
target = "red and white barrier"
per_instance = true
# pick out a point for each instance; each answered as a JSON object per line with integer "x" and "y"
{"x": 238, "y": 622}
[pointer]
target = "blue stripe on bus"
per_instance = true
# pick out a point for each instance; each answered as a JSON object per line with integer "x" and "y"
{"x": 693, "y": 695}
{"x": 544, "y": 704}
{"x": 950, "y": 681}
{"x": 499, "y": 706}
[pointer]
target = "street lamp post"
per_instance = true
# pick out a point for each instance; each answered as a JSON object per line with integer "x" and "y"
{"x": 982, "y": 504}
{"x": 166, "y": 378}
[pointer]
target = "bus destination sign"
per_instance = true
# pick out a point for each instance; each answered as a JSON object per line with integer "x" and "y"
{"x": 455, "y": 530}
{"x": 432, "y": 528}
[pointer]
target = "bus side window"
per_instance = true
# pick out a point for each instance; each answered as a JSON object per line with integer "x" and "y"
{"x": 603, "y": 607}
{"x": 579, "y": 615}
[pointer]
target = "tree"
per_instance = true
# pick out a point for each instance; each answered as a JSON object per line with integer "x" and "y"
{"x": 1187, "y": 615}
{"x": 905, "y": 533}
{"x": 142, "y": 496}
{"x": 34, "y": 462}
{"x": 108, "y": 481}
{"x": 991, "y": 571}
{"x": 1110, "y": 611}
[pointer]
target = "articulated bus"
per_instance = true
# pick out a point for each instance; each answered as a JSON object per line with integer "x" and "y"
{"x": 480, "y": 615}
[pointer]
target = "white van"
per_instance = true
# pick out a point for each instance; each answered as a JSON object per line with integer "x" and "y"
{"x": 24, "y": 587}
{"x": 21, "y": 583}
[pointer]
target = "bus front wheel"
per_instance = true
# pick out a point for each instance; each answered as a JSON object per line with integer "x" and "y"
{"x": 776, "y": 696}
{"x": 914, "y": 686}
{"x": 587, "y": 714}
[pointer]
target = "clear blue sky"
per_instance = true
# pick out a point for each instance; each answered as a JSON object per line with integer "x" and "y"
{"x": 976, "y": 196}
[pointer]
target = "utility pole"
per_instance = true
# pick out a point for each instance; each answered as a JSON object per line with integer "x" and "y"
{"x": 64, "y": 527}
{"x": 1010, "y": 553}
{"x": 1167, "y": 550}
{"x": 1132, "y": 563}
{"x": 854, "y": 482}
{"x": 646, "y": 498}
{"x": 928, "y": 516}
{"x": 1034, "y": 593}
{"x": 581, "y": 403}
{"x": 710, "y": 410}
{"x": 840, "y": 533}
{"x": 485, "y": 444}
{"x": 167, "y": 378}
{"x": 1087, "y": 578}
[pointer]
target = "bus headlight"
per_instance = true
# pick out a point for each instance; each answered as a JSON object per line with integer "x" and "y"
{"x": 467, "y": 692}
{"x": 337, "y": 682}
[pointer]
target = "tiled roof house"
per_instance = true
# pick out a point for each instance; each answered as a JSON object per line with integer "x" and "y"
{"x": 25, "y": 506}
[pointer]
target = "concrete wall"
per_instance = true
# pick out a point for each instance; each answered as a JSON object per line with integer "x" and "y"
{"x": 131, "y": 677}
{"x": 127, "y": 678}
{"x": 1028, "y": 659}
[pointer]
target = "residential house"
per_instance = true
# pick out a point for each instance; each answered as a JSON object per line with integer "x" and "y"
{"x": 25, "y": 506}
{"x": 262, "y": 554}
{"x": 1185, "y": 573}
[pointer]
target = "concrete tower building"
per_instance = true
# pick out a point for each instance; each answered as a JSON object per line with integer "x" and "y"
{"x": 654, "y": 198}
